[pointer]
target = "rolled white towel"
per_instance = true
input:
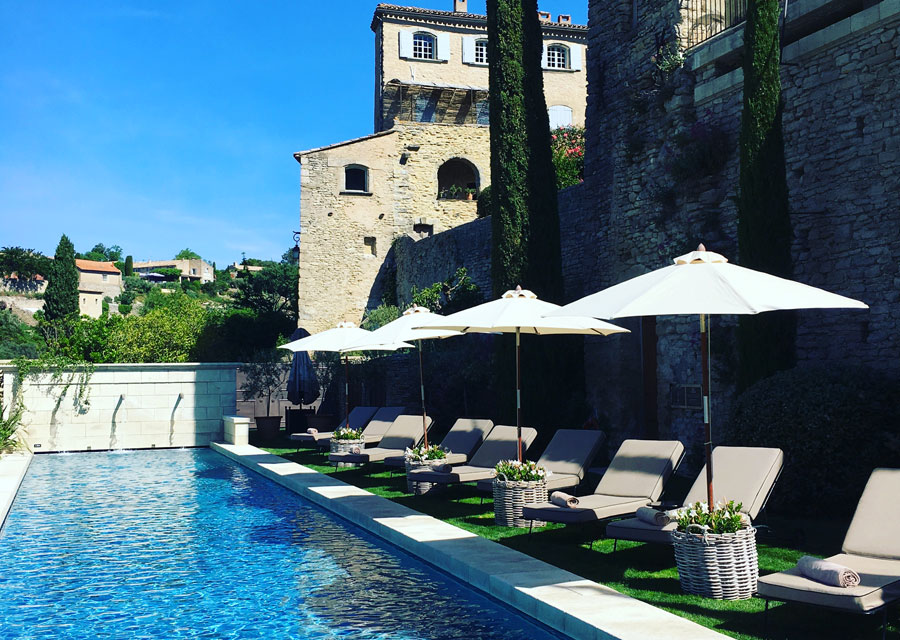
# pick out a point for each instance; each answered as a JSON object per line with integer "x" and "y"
{"x": 312, "y": 431}
{"x": 653, "y": 516}
{"x": 355, "y": 450}
{"x": 562, "y": 499}
{"x": 830, "y": 573}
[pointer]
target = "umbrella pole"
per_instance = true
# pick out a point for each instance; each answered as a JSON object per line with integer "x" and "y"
{"x": 704, "y": 389}
{"x": 422, "y": 388}
{"x": 518, "y": 394}
{"x": 347, "y": 389}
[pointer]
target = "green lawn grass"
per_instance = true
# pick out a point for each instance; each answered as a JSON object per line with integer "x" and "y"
{"x": 644, "y": 571}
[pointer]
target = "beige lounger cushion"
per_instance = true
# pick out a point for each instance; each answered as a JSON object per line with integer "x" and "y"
{"x": 879, "y": 584}
{"x": 554, "y": 482}
{"x": 590, "y": 509}
{"x": 464, "y": 437}
{"x": 640, "y": 468}
{"x": 359, "y": 417}
{"x": 405, "y": 431}
{"x": 640, "y": 531}
{"x": 463, "y": 473}
{"x": 875, "y": 529}
{"x": 743, "y": 474}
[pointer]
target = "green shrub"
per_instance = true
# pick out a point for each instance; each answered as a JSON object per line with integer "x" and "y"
{"x": 835, "y": 425}
{"x": 567, "y": 144}
{"x": 136, "y": 284}
{"x": 483, "y": 207}
{"x": 124, "y": 309}
{"x": 380, "y": 316}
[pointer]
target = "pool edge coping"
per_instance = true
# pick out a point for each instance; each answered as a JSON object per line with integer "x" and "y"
{"x": 13, "y": 467}
{"x": 564, "y": 601}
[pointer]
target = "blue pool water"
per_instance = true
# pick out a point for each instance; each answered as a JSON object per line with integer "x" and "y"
{"x": 188, "y": 544}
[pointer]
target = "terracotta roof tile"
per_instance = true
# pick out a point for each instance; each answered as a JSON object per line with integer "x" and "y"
{"x": 91, "y": 265}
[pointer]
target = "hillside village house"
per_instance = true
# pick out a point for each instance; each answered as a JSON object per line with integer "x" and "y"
{"x": 194, "y": 270}
{"x": 96, "y": 280}
{"x": 420, "y": 172}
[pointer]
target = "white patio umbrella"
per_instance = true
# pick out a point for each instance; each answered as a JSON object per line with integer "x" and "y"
{"x": 406, "y": 329}
{"x": 704, "y": 283}
{"x": 338, "y": 339}
{"x": 520, "y": 312}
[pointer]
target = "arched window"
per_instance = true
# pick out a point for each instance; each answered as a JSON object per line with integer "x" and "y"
{"x": 557, "y": 56}
{"x": 457, "y": 180}
{"x": 560, "y": 116}
{"x": 356, "y": 178}
{"x": 423, "y": 46}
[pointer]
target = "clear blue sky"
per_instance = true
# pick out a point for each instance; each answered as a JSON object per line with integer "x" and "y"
{"x": 164, "y": 125}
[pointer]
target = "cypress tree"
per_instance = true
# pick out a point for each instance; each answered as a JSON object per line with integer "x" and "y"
{"x": 765, "y": 341}
{"x": 61, "y": 296}
{"x": 543, "y": 271}
{"x": 509, "y": 144}
{"x": 129, "y": 266}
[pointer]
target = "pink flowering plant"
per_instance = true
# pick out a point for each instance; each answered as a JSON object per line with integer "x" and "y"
{"x": 515, "y": 471}
{"x": 722, "y": 518}
{"x": 567, "y": 144}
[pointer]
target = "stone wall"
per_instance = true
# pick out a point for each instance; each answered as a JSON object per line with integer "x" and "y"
{"x": 130, "y": 406}
{"x": 662, "y": 170}
{"x": 345, "y": 237}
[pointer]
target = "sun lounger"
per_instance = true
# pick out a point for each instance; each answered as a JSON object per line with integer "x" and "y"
{"x": 743, "y": 474}
{"x": 567, "y": 456}
{"x": 635, "y": 478}
{"x": 871, "y": 548}
{"x": 464, "y": 437}
{"x": 405, "y": 431}
{"x": 374, "y": 429}
{"x": 359, "y": 418}
{"x": 500, "y": 444}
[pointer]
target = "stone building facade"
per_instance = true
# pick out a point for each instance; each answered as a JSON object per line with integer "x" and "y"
{"x": 96, "y": 281}
{"x": 661, "y": 174}
{"x": 194, "y": 269}
{"x": 421, "y": 171}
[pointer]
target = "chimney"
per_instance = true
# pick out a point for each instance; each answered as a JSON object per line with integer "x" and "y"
{"x": 565, "y": 19}
{"x": 544, "y": 16}
{"x": 459, "y": 6}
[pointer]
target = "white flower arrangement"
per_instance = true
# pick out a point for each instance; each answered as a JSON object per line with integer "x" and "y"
{"x": 725, "y": 517}
{"x": 527, "y": 471}
{"x": 345, "y": 433}
{"x": 423, "y": 453}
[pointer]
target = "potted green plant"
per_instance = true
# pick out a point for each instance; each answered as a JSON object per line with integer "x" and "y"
{"x": 9, "y": 424}
{"x": 470, "y": 193}
{"x": 422, "y": 457}
{"x": 516, "y": 484}
{"x": 715, "y": 551}
{"x": 264, "y": 377}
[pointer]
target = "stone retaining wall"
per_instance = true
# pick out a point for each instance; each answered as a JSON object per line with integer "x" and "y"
{"x": 129, "y": 406}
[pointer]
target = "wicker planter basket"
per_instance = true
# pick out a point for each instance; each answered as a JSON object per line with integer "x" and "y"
{"x": 509, "y": 496}
{"x": 346, "y": 446}
{"x": 717, "y": 565}
{"x": 421, "y": 488}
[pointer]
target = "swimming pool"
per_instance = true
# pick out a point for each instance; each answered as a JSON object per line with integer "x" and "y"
{"x": 187, "y": 544}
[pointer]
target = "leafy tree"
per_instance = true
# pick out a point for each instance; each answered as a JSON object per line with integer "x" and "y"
{"x": 274, "y": 289}
{"x": 25, "y": 263}
{"x": 171, "y": 274}
{"x": 187, "y": 254}
{"x": 102, "y": 253}
{"x": 129, "y": 266}
{"x": 61, "y": 297}
{"x": 168, "y": 332}
{"x": 136, "y": 284}
{"x": 17, "y": 339}
{"x": 766, "y": 342}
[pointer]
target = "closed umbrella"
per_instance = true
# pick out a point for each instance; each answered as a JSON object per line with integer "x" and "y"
{"x": 302, "y": 385}
{"x": 338, "y": 339}
{"x": 406, "y": 329}
{"x": 520, "y": 312}
{"x": 703, "y": 283}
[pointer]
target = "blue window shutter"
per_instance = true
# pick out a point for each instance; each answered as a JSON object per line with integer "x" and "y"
{"x": 575, "y": 57}
{"x": 443, "y": 46}
{"x": 468, "y": 49}
{"x": 406, "y": 44}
